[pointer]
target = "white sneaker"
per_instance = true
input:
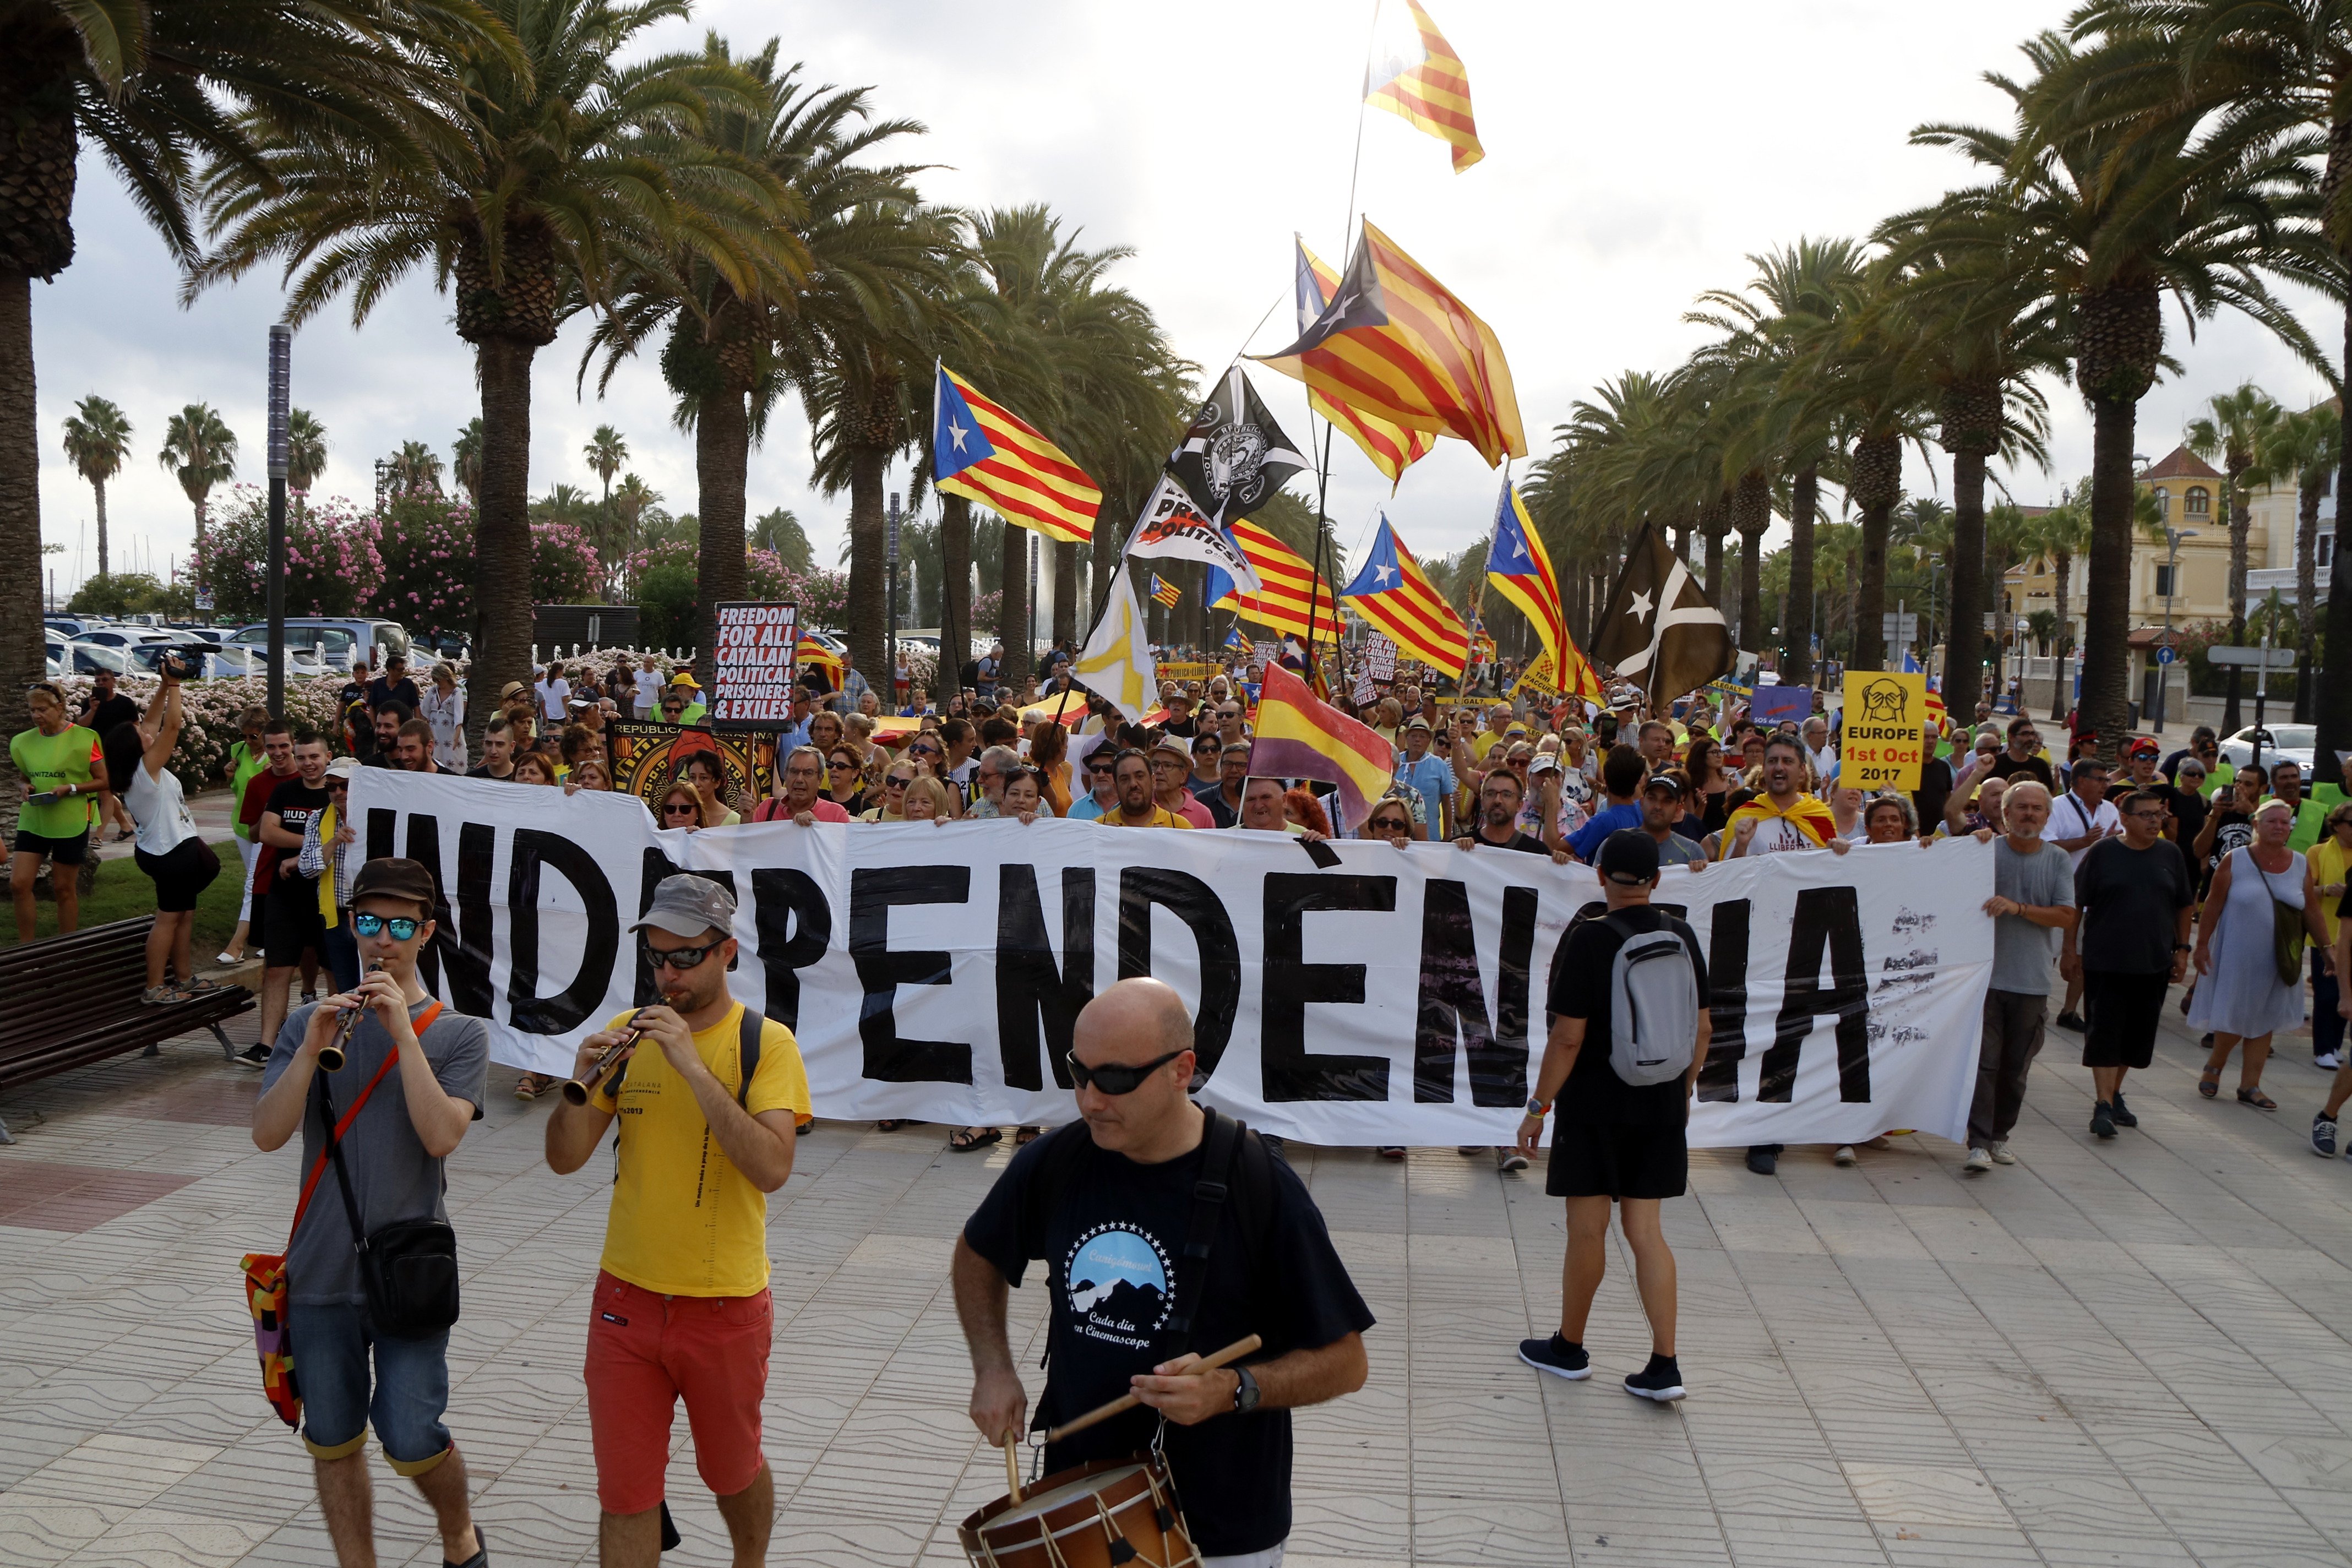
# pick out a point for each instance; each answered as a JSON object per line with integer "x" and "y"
{"x": 1509, "y": 1159}
{"x": 1845, "y": 1154}
{"x": 2326, "y": 1061}
{"x": 2000, "y": 1155}
{"x": 1978, "y": 1160}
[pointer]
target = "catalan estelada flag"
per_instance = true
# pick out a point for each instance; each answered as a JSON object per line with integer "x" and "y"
{"x": 1396, "y": 595}
{"x": 1290, "y": 592}
{"x": 1395, "y": 344}
{"x": 1298, "y": 736}
{"x": 1414, "y": 73}
{"x": 984, "y": 453}
{"x": 1240, "y": 644}
{"x": 1521, "y": 572}
{"x": 809, "y": 652}
{"x": 1391, "y": 447}
{"x": 1167, "y": 593}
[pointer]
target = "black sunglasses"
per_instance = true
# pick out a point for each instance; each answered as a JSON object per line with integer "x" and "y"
{"x": 679, "y": 958}
{"x": 403, "y": 927}
{"x": 681, "y": 809}
{"x": 1113, "y": 1078}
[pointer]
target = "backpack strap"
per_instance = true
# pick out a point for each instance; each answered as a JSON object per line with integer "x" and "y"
{"x": 747, "y": 1054}
{"x": 1220, "y": 1143}
{"x": 336, "y": 1129}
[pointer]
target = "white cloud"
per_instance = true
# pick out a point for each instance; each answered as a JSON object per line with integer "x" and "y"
{"x": 1634, "y": 158}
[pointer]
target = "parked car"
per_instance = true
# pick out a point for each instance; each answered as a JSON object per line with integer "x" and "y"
{"x": 2281, "y": 742}
{"x": 336, "y": 640}
{"x": 126, "y": 636}
{"x": 79, "y": 657}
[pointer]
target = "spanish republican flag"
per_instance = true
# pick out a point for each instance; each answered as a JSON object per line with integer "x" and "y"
{"x": 1393, "y": 343}
{"x": 1391, "y": 447}
{"x": 985, "y": 453}
{"x": 1291, "y": 597}
{"x": 1415, "y": 74}
{"x": 1299, "y": 737}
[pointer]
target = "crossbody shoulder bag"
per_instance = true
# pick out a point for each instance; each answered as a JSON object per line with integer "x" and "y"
{"x": 409, "y": 1267}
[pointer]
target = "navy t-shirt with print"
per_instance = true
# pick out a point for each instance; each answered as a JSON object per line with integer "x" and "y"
{"x": 1111, "y": 1252}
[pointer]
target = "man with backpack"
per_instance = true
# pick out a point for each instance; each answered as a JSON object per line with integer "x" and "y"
{"x": 1629, "y": 1029}
{"x": 1169, "y": 1232}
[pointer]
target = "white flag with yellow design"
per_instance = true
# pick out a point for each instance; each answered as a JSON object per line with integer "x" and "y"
{"x": 1116, "y": 664}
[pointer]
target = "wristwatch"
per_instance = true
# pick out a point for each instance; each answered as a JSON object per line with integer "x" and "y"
{"x": 1245, "y": 1394}
{"x": 1539, "y": 1109}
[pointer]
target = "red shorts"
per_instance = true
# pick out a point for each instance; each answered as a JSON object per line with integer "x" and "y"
{"x": 645, "y": 1350}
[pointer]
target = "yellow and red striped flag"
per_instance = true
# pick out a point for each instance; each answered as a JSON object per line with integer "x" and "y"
{"x": 982, "y": 451}
{"x": 1518, "y": 566}
{"x": 1289, "y": 591}
{"x": 1415, "y": 74}
{"x": 1167, "y": 593}
{"x": 1299, "y": 736}
{"x": 809, "y": 652}
{"x": 1395, "y": 344}
{"x": 1391, "y": 447}
{"x": 1396, "y": 595}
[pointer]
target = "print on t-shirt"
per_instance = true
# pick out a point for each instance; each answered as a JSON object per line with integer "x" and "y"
{"x": 1778, "y": 834}
{"x": 1116, "y": 1279}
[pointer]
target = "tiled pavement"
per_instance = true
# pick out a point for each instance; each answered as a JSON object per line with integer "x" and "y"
{"x": 2132, "y": 1353}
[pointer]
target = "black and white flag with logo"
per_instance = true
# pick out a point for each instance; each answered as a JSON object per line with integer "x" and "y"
{"x": 1234, "y": 457}
{"x": 1659, "y": 632}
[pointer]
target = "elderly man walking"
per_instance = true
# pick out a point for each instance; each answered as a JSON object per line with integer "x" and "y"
{"x": 2033, "y": 895}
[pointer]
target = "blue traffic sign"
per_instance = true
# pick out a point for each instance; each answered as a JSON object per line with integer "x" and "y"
{"x": 2164, "y": 656}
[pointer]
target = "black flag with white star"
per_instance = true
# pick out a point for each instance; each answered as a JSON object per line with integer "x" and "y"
{"x": 1234, "y": 457}
{"x": 1660, "y": 631}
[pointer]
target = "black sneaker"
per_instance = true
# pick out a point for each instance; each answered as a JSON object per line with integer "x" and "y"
{"x": 1660, "y": 1380}
{"x": 2103, "y": 1119}
{"x": 2323, "y": 1137}
{"x": 1559, "y": 1357}
{"x": 1764, "y": 1161}
{"x": 2071, "y": 1021}
{"x": 254, "y": 1056}
{"x": 2124, "y": 1118}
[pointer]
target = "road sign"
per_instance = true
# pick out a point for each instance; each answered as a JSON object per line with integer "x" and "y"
{"x": 204, "y": 602}
{"x": 2251, "y": 657}
{"x": 1899, "y": 629}
{"x": 2165, "y": 656}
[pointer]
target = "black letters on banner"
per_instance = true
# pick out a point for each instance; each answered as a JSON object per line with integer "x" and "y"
{"x": 1028, "y": 985}
{"x": 1454, "y": 1000}
{"x": 873, "y": 893}
{"x": 655, "y": 866}
{"x": 1726, "y": 984}
{"x": 1291, "y": 983}
{"x": 1830, "y": 919}
{"x": 789, "y": 902}
{"x": 525, "y": 1009}
{"x": 1191, "y": 900}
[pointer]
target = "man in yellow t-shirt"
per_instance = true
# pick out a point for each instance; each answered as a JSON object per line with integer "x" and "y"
{"x": 1132, "y": 775}
{"x": 682, "y": 1307}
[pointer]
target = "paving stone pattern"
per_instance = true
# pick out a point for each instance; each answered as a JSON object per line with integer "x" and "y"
{"x": 2130, "y": 1353}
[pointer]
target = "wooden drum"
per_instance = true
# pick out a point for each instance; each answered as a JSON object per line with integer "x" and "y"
{"x": 1106, "y": 1514}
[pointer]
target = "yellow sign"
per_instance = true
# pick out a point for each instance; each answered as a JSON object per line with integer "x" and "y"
{"x": 1883, "y": 741}
{"x": 1194, "y": 671}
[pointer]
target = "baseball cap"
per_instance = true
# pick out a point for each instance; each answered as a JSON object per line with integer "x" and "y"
{"x": 683, "y": 678}
{"x": 687, "y": 905}
{"x": 343, "y": 768}
{"x": 1543, "y": 763}
{"x": 391, "y": 877}
{"x": 1628, "y": 855}
{"x": 2143, "y": 747}
{"x": 511, "y": 688}
{"x": 1665, "y": 782}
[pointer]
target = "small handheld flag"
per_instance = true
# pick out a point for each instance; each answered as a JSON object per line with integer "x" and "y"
{"x": 983, "y": 452}
{"x": 1240, "y": 644}
{"x": 1167, "y": 593}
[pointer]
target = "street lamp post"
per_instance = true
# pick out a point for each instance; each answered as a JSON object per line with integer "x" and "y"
{"x": 2172, "y": 537}
{"x": 281, "y": 370}
{"x": 892, "y": 674}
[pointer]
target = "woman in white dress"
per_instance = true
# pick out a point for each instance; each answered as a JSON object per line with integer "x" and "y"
{"x": 2245, "y": 994}
{"x": 444, "y": 707}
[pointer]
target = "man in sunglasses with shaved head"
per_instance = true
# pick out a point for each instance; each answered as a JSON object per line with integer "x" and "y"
{"x": 1168, "y": 1232}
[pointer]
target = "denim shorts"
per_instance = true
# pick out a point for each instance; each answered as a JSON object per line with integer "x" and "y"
{"x": 411, "y": 1388}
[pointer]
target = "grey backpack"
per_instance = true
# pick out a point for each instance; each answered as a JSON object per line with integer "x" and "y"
{"x": 1653, "y": 1007}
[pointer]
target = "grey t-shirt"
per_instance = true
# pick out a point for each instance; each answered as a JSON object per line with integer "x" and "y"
{"x": 2021, "y": 950}
{"x": 392, "y": 1177}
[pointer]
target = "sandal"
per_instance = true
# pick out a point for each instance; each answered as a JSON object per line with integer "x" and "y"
{"x": 159, "y": 996}
{"x": 2257, "y": 1099}
{"x": 195, "y": 986}
{"x": 2209, "y": 1082}
{"x": 891, "y": 1124}
{"x": 530, "y": 1086}
{"x": 1028, "y": 1134}
{"x": 963, "y": 1141}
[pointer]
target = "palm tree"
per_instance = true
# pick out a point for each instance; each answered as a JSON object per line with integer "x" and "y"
{"x": 306, "y": 451}
{"x": 607, "y": 451}
{"x": 631, "y": 498}
{"x": 2107, "y": 217}
{"x": 98, "y": 440}
{"x": 150, "y": 87}
{"x": 200, "y": 451}
{"x": 562, "y": 167}
{"x": 2304, "y": 449}
{"x": 779, "y": 532}
{"x": 466, "y": 460}
{"x": 2059, "y": 535}
{"x": 417, "y": 469}
{"x": 2233, "y": 432}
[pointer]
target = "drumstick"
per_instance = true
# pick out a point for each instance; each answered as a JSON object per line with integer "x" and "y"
{"x": 1127, "y": 1402}
{"x": 1013, "y": 1466}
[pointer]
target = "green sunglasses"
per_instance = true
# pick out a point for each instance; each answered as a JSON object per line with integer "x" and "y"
{"x": 403, "y": 927}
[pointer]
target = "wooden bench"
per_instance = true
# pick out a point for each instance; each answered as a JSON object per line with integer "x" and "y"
{"x": 73, "y": 1000}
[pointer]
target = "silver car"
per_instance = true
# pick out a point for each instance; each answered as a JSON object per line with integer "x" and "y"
{"x": 2281, "y": 742}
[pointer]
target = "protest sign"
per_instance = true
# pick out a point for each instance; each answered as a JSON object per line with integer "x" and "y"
{"x": 1348, "y": 993}
{"x": 1771, "y": 704}
{"x": 1882, "y": 743}
{"x": 751, "y": 664}
{"x": 1379, "y": 660}
{"x": 645, "y": 759}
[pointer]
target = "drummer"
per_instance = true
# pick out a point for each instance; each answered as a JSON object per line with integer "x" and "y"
{"x": 1109, "y": 1200}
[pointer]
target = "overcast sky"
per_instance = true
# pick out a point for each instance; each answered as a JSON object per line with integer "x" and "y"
{"x": 1634, "y": 157}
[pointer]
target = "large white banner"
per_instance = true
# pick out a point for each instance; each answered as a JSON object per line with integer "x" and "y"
{"x": 1344, "y": 993}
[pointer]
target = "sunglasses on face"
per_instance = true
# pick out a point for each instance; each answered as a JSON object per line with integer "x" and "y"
{"x": 894, "y": 782}
{"x": 1115, "y": 1079}
{"x": 679, "y": 808}
{"x": 1389, "y": 825}
{"x": 679, "y": 958}
{"x": 401, "y": 926}
{"x": 925, "y": 752}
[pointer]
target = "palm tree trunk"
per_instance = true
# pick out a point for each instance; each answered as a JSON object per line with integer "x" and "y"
{"x": 1868, "y": 641}
{"x": 1797, "y": 624}
{"x": 99, "y": 486}
{"x": 200, "y": 542}
{"x": 1751, "y": 513}
{"x": 1964, "y": 638}
{"x": 502, "y": 530}
{"x": 955, "y": 592}
{"x": 1013, "y": 618}
{"x": 21, "y": 661}
{"x": 1714, "y": 567}
{"x": 2106, "y": 624}
{"x": 2242, "y": 522}
{"x": 2059, "y": 694}
{"x": 722, "y": 455}
{"x": 2306, "y": 593}
{"x": 869, "y": 575}
{"x": 1065, "y": 594}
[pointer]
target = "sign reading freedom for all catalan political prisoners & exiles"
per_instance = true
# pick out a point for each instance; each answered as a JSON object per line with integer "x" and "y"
{"x": 1882, "y": 743}
{"x": 752, "y": 665}
{"x": 1350, "y": 993}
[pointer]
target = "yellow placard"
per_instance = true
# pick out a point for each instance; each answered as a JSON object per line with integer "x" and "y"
{"x": 1882, "y": 742}
{"x": 1199, "y": 670}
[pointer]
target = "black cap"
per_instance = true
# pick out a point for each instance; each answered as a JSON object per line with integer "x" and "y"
{"x": 1665, "y": 782}
{"x": 391, "y": 877}
{"x": 1628, "y": 855}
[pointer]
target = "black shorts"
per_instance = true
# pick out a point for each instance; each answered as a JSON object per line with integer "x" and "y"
{"x": 1608, "y": 1161}
{"x": 292, "y": 923}
{"x": 64, "y": 851}
{"x": 181, "y": 873}
{"x": 2120, "y": 1013}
